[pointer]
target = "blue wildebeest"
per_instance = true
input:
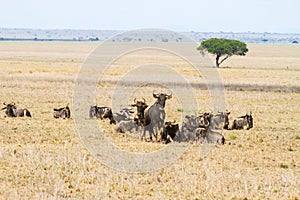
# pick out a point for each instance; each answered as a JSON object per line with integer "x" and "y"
{"x": 243, "y": 122}
{"x": 155, "y": 116}
{"x": 124, "y": 115}
{"x": 209, "y": 136}
{"x": 191, "y": 123}
{"x": 140, "y": 111}
{"x": 62, "y": 112}
{"x": 171, "y": 130}
{"x": 13, "y": 111}
{"x": 127, "y": 126}
{"x": 220, "y": 120}
{"x": 102, "y": 113}
{"x": 133, "y": 124}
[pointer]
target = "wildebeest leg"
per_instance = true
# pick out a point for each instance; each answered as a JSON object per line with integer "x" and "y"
{"x": 155, "y": 131}
{"x": 150, "y": 129}
{"x": 144, "y": 129}
{"x": 64, "y": 114}
{"x": 160, "y": 130}
{"x": 151, "y": 132}
{"x": 223, "y": 140}
{"x": 164, "y": 135}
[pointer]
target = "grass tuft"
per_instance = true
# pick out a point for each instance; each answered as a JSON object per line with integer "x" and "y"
{"x": 232, "y": 136}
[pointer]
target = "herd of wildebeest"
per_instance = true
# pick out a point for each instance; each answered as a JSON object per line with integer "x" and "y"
{"x": 206, "y": 127}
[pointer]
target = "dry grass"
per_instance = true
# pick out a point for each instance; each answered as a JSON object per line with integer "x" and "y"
{"x": 43, "y": 158}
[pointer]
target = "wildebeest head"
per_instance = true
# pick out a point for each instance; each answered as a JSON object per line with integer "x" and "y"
{"x": 140, "y": 107}
{"x": 226, "y": 119}
{"x": 204, "y": 120}
{"x": 249, "y": 120}
{"x": 93, "y": 111}
{"x": 106, "y": 112}
{"x": 10, "y": 109}
{"x": 161, "y": 97}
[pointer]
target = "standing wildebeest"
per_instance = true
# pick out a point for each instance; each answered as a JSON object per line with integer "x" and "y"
{"x": 155, "y": 115}
{"x": 102, "y": 113}
{"x": 243, "y": 122}
{"x": 13, "y": 111}
{"x": 62, "y": 112}
{"x": 220, "y": 121}
{"x": 171, "y": 130}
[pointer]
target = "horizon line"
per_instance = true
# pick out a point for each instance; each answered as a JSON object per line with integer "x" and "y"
{"x": 119, "y": 30}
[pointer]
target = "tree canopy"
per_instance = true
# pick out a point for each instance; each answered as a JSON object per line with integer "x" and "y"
{"x": 223, "y": 47}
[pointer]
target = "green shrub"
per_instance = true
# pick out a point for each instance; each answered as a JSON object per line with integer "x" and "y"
{"x": 232, "y": 136}
{"x": 179, "y": 110}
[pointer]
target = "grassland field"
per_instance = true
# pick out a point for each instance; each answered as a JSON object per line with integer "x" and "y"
{"x": 44, "y": 158}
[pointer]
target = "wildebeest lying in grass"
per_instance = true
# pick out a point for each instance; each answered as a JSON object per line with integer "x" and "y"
{"x": 13, "y": 111}
{"x": 127, "y": 126}
{"x": 191, "y": 123}
{"x": 171, "y": 130}
{"x": 102, "y": 113}
{"x": 220, "y": 120}
{"x": 243, "y": 122}
{"x": 62, "y": 112}
{"x": 124, "y": 115}
{"x": 209, "y": 136}
{"x": 132, "y": 124}
{"x": 199, "y": 129}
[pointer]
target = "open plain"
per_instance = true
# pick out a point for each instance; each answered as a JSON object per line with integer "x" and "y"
{"x": 44, "y": 158}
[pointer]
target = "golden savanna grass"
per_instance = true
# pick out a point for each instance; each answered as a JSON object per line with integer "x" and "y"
{"x": 44, "y": 158}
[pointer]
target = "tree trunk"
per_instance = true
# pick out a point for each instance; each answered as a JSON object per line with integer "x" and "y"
{"x": 223, "y": 59}
{"x": 217, "y": 60}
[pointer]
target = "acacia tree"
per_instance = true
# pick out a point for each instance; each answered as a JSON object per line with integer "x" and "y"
{"x": 223, "y": 47}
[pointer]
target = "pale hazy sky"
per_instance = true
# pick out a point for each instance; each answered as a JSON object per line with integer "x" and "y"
{"x": 212, "y": 15}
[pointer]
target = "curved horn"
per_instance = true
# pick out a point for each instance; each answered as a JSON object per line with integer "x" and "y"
{"x": 154, "y": 92}
{"x": 4, "y": 103}
{"x": 144, "y": 100}
{"x": 169, "y": 96}
{"x": 134, "y": 100}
